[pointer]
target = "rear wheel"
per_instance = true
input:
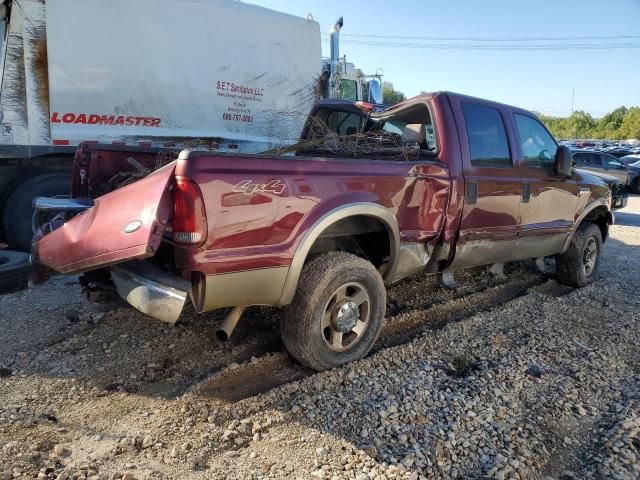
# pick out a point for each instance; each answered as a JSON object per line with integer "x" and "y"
{"x": 18, "y": 211}
{"x": 579, "y": 265}
{"x": 337, "y": 312}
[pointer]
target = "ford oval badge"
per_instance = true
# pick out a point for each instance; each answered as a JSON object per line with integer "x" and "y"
{"x": 132, "y": 226}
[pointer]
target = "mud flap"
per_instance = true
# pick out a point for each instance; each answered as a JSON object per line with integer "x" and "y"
{"x": 125, "y": 224}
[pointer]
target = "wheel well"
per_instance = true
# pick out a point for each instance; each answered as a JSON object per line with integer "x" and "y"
{"x": 362, "y": 235}
{"x": 599, "y": 216}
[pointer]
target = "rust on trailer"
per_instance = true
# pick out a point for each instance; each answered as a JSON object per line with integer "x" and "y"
{"x": 40, "y": 67}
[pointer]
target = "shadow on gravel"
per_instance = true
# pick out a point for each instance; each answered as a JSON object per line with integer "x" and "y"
{"x": 627, "y": 219}
{"x": 416, "y": 305}
{"x": 538, "y": 399}
{"x": 122, "y": 350}
{"x": 54, "y": 332}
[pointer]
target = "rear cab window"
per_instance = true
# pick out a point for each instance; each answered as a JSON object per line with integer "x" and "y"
{"x": 487, "y": 137}
{"x": 538, "y": 146}
{"x": 406, "y": 134}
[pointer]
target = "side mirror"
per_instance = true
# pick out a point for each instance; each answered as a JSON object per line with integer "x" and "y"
{"x": 375, "y": 91}
{"x": 564, "y": 161}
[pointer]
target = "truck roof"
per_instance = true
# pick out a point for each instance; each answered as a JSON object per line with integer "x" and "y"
{"x": 462, "y": 97}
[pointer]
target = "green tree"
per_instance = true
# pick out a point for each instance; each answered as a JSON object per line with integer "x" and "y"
{"x": 391, "y": 96}
{"x": 621, "y": 123}
{"x": 609, "y": 125}
{"x": 630, "y": 126}
{"x": 559, "y": 127}
{"x": 581, "y": 124}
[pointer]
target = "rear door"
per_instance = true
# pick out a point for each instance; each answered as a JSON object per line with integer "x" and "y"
{"x": 612, "y": 166}
{"x": 549, "y": 201}
{"x": 125, "y": 224}
{"x": 493, "y": 189}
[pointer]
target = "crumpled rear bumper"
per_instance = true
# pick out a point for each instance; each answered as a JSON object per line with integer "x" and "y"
{"x": 150, "y": 289}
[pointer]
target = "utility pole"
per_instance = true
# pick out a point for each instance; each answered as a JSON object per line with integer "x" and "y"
{"x": 573, "y": 96}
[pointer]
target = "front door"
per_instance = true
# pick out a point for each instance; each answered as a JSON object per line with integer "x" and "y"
{"x": 588, "y": 161}
{"x": 488, "y": 230}
{"x": 549, "y": 201}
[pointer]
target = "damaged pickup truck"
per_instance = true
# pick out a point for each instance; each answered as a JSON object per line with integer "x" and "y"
{"x": 438, "y": 183}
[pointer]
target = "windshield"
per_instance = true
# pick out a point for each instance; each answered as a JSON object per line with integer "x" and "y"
{"x": 349, "y": 89}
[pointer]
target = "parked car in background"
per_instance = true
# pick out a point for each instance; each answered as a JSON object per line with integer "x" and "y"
{"x": 630, "y": 159}
{"x": 618, "y": 151}
{"x": 608, "y": 164}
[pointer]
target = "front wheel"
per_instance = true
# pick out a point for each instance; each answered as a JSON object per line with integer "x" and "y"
{"x": 337, "y": 312}
{"x": 579, "y": 265}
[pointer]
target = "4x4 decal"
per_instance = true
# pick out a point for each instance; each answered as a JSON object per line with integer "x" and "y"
{"x": 249, "y": 187}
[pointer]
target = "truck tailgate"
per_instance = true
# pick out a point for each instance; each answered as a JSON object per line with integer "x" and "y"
{"x": 125, "y": 224}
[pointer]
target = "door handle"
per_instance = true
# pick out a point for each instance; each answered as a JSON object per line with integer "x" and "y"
{"x": 526, "y": 192}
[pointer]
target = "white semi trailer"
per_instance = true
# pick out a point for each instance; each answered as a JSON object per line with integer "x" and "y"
{"x": 150, "y": 74}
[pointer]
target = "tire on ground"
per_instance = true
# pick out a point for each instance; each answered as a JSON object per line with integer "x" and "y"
{"x": 571, "y": 264}
{"x": 301, "y": 326}
{"x": 635, "y": 186}
{"x": 18, "y": 211}
{"x": 15, "y": 270}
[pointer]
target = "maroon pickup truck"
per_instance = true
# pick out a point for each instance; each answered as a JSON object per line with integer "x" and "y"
{"x": 438, "y": 183}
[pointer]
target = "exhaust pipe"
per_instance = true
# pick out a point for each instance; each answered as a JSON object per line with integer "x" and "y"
{"x": 335, "y": 45}
{"x": 225, "y": 329}
{"x": 334, "y": 87}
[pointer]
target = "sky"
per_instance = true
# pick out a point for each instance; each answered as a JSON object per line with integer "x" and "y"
{"x": 540, "y": 80}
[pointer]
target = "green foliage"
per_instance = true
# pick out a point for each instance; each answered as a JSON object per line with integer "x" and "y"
{"x": 630, "y": 127}
{"x": 620, "y": 124}
{"x": 390, "y": 96}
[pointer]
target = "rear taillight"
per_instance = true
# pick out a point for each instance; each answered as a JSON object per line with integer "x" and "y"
{"x": 189, "y": 219}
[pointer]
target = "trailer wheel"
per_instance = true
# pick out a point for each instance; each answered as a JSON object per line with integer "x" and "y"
{"x": 18, "y": 211}
{"x": 15, "y": 270}
{"x": 337, "y": 312}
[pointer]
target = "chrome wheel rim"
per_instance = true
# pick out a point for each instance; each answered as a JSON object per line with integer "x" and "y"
{"x": 346, "y": 316}
{"x": 589, "y": 256}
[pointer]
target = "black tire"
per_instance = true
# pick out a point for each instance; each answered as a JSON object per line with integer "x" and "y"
{"x": 635, "y": 186}
{"x": 578, "y": 267}
{"x": 15, "y": 270}
{"x": 329, "y": 289}
{"x": 18, "y": 211}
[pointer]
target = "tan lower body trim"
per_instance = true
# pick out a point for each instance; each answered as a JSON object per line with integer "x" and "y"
{"x": 250, "y": 287}
{"x": 483, "y": 252}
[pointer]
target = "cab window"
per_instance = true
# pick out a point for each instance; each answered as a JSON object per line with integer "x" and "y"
{"x": 612, "y": 162}
{"x": 349, "y": 89}
{"x": 487, "y": 137}
{"x": 588, "y": 159}
{"x": 538, "y": 146}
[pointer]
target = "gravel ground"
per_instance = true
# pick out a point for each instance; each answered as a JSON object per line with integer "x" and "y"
{"x": 503, "y": 378}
